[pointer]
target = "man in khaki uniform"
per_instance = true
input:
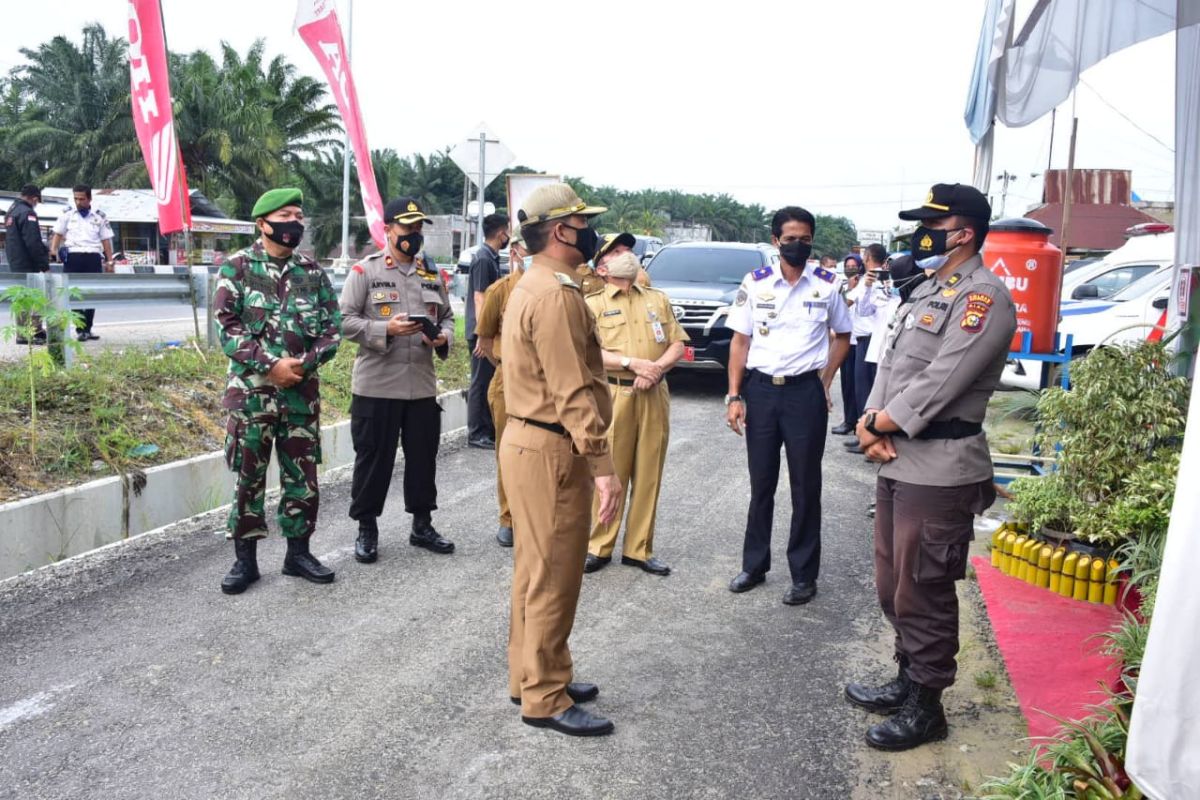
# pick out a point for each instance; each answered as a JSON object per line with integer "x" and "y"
{"x": 940, "y": 363}
{"x": 554, "y": 450}
{"x": 642, "y": 341}
{"x": 613, "y": 245}
{"x": 487, "y": 329}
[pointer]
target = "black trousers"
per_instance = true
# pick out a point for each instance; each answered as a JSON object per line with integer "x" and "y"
{"x": 864, "y": 374}
{"x": 849, "y": 403}
{"x": 85, "y": 262}
{"x": 377, "y": 425}
{"x": 479, "y": 417}
{"x": 793, "y": 417}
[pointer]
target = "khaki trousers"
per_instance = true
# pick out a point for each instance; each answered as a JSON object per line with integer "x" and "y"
{"x": 550, "y": 491}
{"x": 495, "y": 399}
{"x": 637, "y": 437}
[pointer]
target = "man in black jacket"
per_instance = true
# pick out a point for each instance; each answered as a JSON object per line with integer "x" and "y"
{"x": 25, "y": 250}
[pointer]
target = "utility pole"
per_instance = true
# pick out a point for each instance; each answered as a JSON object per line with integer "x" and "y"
{"x": 1005, "y": 179}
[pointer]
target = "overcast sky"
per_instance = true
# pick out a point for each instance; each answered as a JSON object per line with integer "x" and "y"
{"x": 850, "y": 107}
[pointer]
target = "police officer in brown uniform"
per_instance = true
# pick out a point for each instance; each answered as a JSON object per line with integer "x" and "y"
{"x": 553, "y": 452}
{"x": 940, "y": 363}
{"x": 487, "y": 329}
{"x": 394, "y": 388}
{"x": 642, "y": 341}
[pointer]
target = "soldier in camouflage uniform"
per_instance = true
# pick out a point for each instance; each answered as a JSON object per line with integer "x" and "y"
{"x": 279, "y": 322}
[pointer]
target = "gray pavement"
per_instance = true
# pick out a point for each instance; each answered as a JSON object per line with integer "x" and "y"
{"x": 127, "y": 674}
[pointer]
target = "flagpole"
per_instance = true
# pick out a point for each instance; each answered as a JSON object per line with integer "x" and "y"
{"x": 346, "y": 147}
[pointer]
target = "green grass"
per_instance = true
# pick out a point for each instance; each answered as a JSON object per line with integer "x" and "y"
{"x": 91, "y": 415}
{"x": 986, "y": 680}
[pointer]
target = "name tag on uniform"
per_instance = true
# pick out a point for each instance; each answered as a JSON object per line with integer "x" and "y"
{"x": 659, "y": 336}
{"x": 816, "y": 303}
{"x": 614, "y": 312}
{"x": 764, "y": 305}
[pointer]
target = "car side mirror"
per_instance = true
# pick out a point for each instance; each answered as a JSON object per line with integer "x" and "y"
{"x": 1160, "y": 303}
{"x": 1086, "y": 291}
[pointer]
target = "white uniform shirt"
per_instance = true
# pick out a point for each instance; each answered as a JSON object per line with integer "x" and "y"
{"x": 789, "y": 325}
{"x": 84, "y": 234}
{"x": 885, "y": 312}
{"x": 868, "y": 303}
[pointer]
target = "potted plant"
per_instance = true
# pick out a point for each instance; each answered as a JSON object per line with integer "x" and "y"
{"x": 1045, "y": 504}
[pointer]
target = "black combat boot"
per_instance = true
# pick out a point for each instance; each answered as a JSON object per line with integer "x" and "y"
{"x": 366, "y": 547}
{"x": 245, "y": 569}
{"x": 299, "y": 562}
{"x": 424, "y": 535}
{"x": 920, "y": 720}
{"x": 885, "y": 699}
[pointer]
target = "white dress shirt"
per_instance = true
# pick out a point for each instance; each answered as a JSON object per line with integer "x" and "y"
{"x": 84, "y": 234}
{"x": 867, "y": 304}
{"x": 789, "y": 325}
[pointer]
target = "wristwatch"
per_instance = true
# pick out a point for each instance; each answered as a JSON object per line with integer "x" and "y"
{"x": 625, "y": 362}
{"x": 869, "y": 424}
{"x": 733, "y": 398}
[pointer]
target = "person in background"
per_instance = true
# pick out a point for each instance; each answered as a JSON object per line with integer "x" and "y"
{"x": 26, "y": 252}
{"x": 852, "y": 267}
{"x": 86, "y": 234}
{"x": 611, "y": 246}
{"x": 484, "y": 271}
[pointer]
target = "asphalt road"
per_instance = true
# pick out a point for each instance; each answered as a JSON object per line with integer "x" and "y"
{"x": 127, "y": 674}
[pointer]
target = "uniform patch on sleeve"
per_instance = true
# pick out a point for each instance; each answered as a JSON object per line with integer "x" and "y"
{"x": 358, "y": 268}
{"x": 764, "y": 272}
{"x": 972, "y": 321}
{"x": 980, "y": 297}
{"x": 825, "y": 274}
{"x": 742, "y": 297}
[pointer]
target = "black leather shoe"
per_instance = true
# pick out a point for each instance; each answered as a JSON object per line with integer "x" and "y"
{"x": 366, "y": 546}
{"x": 573, "y": 722}
{"x": 651, "y": 565}
{"x": 578, "y": 692}
{"x": 482, "y": 443}
{"x": 245, "y": 569}
{"x": 21, "y": 339}
{"x": 424, "y": 535}
{"x": 300, "y": 563}
{"x": 921, "y": 719}
{"x": 744, "y": 582}
{"x": 885, "y": 699}
{"x": 857, "y": 449}
{"x": 39, "y": 338}
{"x": 92, "y": 337}
{"x": 800, "y": 593}
{"x": 850, "y": 444}
{"x": 595, "y": 563}
{"x": 504, "y": 536}
{"x": 842, "y": 430}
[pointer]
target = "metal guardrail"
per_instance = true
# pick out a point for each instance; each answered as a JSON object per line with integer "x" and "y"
{"x": 101, "y": 288}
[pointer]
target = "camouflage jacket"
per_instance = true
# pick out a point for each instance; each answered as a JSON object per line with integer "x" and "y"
{"x": 267, "y": 312}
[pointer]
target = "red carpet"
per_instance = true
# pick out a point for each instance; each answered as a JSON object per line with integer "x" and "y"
{"x": 1048, "y": 646}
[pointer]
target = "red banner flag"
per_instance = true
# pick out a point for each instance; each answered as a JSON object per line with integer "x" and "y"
{"x": 317, "y": 24}
{"x": 150, "y": 88}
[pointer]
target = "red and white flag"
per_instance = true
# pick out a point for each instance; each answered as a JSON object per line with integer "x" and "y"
{"x": 150, "y": 87}
{"x": 317, "y": 24}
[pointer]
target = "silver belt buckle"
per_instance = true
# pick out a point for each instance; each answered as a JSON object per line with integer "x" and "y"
{"x": 779, "y": 380}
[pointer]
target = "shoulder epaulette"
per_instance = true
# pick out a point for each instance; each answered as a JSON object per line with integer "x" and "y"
{"x": 565, "y": 281}
{"x": 358, "y": 268}
{"x": 764, "y": 272}
{"x": 825, "y": 274}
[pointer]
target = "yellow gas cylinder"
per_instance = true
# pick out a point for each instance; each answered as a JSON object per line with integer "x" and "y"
{"x": 1067, "y": 585}
{"x": 1056, "y": 565}
{"x": 1083, "y": 570}
{"x": 1006, "y": 561}
{"x": 998, "y": 543}
{"x": 1110, "y": 583}
{"x": 1096, "y": 587}
{"x": 1043, "y": 567}
{"x": 1031, "y": 561}
{"x": 1017, "y": 564}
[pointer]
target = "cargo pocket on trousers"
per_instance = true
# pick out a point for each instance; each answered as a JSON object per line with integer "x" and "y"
{"x": 942, "y": 555}
{"x": 233, "y": 444}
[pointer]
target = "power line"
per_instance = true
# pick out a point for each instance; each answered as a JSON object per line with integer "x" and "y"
{"x": 1123, "y": 116}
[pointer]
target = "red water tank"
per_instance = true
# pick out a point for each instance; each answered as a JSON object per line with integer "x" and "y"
{"x": 1019, "y": 252}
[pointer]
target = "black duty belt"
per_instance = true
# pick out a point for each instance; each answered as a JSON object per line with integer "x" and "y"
{"x": 783, "y": 380}
{"x": 947, "y": 429}
{"x": 620, "y": 381}
{"x": 553, "y": 427}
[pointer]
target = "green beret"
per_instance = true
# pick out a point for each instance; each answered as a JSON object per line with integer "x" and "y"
{"x": 276, "y": 199}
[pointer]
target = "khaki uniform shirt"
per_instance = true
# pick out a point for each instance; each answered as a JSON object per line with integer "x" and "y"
{"x": 941, "y": 360}
{"x": 491, "y": 316}
{"x": 589, "y": 282}
{"x": 553, "y": 370}
{"x": 638, "y": 323}
{"x": 377, "y": 289}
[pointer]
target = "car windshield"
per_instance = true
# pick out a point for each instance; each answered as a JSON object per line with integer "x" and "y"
{"x": 704, "y": 264}
{"x": 1140, "y": 287}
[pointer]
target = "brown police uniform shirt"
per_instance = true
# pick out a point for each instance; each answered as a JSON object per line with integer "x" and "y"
{"x": 491, "y": 315}
{"x": 941, "y": 360}
{"x": 638, "y": 323}
{"x": 377, "y": 289}
{"x": 552, "y": 365}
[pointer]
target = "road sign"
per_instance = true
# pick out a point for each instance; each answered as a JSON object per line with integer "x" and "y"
{"x": 496, "y": 156}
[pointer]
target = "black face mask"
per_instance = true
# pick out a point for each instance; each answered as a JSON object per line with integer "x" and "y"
{"x": 286, "y": 234}
{"x": 505, "y": 243}
{"x": 796, "y": 253}
{"x": 927, "y": 242}
{"x": 410, "y": 244}
{"x": 586, "y": 241}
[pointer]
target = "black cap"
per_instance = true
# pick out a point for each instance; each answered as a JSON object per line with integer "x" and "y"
{"x": 405, "y": 210}
{"x": 951, "y": 199}
{"x": 610, "y": 240}
{"x": 31, "y": 190}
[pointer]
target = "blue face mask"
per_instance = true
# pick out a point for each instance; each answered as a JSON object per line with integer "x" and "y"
{"x": 83, "y": 212}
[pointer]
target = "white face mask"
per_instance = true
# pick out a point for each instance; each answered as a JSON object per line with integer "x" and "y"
{"x": 934, "y": 262}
